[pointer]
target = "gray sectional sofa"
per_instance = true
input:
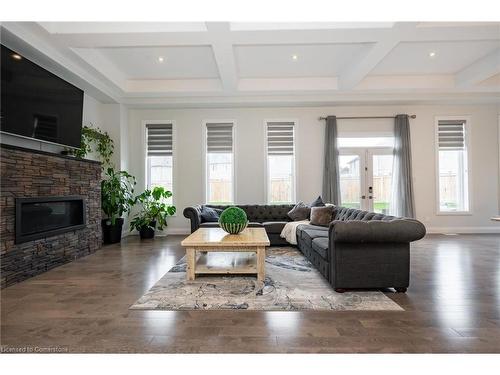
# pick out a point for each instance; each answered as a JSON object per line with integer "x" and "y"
{"x": 358, "y": 250}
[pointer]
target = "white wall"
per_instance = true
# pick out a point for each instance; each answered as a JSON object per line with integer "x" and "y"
{"x": 250, "y": 161}
{"x": 115, "y": 121}
{"x": 124, "y": 138}
{"x": 92, "y": 110}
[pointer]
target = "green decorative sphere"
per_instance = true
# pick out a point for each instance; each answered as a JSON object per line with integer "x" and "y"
{"x": 233, "y": 220}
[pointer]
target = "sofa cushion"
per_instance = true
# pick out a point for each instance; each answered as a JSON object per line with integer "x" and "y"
{"x": 320, "y": 246}
{"x": 321, "y": 215}
{"x": 308, "y": 235}
{"x": 318, "y": 202}
{"x": 274, "y": 226}
{"x": 303, "y": 227}
{"x": 209, "y": 214}
{"x": 300, "y": 211}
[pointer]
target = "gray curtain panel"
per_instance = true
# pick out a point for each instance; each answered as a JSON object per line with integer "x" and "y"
{"x": 331, "y": 178}
{"x": 402, "y": 202}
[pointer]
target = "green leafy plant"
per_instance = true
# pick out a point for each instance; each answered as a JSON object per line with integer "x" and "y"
{"x": 117, "y": 191}
{"x": 233, "y": 220}
{"x": 93, "y": 137}
{"x": 233, "y": 215}
{"x": 154, "y": 211}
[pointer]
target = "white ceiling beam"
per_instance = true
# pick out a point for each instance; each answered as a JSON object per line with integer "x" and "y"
{"x": 120, "y": 27}
{"x": 240, "y": 37}
{"x": 355, "y": 73}
{"x": 223, "y": 54}
{"x": 99, "y": 62}
{"x": 480, "y": 70}
{"x": 422, "y": 33}
{"x": 307, "y": 36}
{"x": 332, "y": 36}
{"x": 147, "y": 39}
{"x": 316, "y": 100}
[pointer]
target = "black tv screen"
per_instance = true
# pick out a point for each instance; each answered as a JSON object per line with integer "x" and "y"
{"x": 38, "y": 104}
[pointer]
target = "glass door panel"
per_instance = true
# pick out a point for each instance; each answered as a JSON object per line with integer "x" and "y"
{"x": 366, "y": 178}
{"x": 381, "y": 182}
{"x": 350, "y": 180}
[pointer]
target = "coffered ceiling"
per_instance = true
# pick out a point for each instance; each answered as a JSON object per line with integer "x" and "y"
{"x": 231, "y": 64}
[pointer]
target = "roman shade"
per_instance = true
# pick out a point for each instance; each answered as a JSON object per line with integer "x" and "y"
{"x": 451, "y": 134}
{"x": 159, "y": 139}
{"x": 220, "y": 137}
{"x": 280, "y": 137}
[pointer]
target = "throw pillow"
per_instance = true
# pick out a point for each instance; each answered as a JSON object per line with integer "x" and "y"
{"x": 300, "y": 211}
{"x": 209, "y": 214}
{"x": 321, "y": 215}
{"x": 318, "y": 202}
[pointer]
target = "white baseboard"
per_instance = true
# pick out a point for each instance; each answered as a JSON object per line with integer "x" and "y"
{"x": 463, "y": 230}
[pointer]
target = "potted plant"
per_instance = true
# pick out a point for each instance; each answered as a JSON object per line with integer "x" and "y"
{"x": 154, "y": 212}
{"x": 117, "y": 191}
{"x": 233, "y": 220}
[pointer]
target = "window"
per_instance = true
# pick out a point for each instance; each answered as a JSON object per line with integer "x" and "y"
{"x": 280, "y": 162}
{"x": 159, "y": 141}
{"x": 219, "y": 163}
{"x": 453, "y": 180}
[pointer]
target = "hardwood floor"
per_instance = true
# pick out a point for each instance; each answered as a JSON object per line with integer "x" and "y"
{"x": 452, "y": 305}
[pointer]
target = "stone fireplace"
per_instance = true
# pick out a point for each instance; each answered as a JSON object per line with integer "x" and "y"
{"x": 50, "y": 211}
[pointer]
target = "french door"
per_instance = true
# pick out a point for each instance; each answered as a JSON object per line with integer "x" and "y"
{"x": 366, "y": 178}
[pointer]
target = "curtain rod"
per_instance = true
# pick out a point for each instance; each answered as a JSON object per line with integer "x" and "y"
{"x": 365, "y": 117}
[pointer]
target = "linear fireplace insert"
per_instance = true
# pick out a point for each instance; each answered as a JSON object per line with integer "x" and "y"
{"x": 47, "y": 216}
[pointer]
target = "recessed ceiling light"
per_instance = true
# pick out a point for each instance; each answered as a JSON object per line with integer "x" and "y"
{"x": 16, "y": 56}
{"x": 161, "y": 59}
{"x": 295, "y": 57}
{"x": 432, "y": 54}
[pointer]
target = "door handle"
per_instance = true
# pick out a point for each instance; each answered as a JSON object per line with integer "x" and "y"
{"x": 363, "y": 197}
{"x": 370, "y": 197}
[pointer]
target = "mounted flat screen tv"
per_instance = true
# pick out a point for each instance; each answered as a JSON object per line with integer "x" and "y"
{"x": 38, "y": 104}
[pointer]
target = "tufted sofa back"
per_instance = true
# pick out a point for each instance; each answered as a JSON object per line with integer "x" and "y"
{"x": 348, "y": 214}
{"x": 263, "y": 212}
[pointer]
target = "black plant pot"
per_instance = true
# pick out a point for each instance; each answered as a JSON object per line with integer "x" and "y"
{"x": 148, "y": 232}
{"x": 111, "y": 233}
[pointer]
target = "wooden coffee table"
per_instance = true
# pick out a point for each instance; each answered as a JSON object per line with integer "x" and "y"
{"x": 206, "y": 240}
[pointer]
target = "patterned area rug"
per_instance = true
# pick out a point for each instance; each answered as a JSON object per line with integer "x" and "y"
{"x": 292, "y": 283}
